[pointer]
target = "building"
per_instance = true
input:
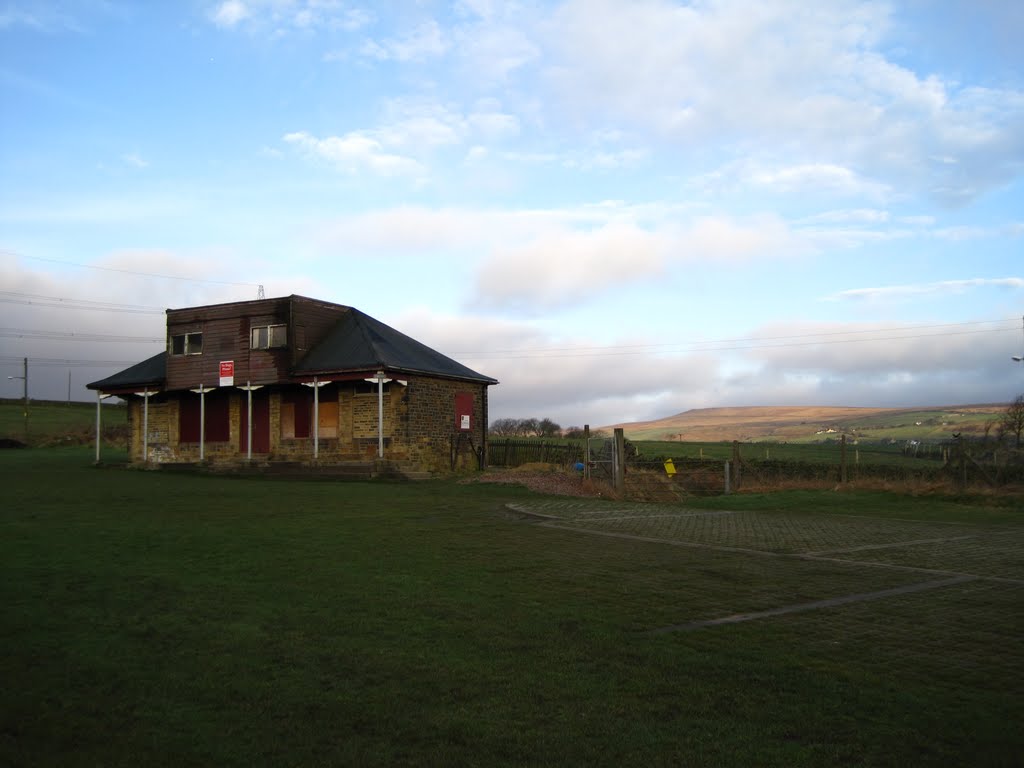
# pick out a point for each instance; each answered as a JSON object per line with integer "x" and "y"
{"x": 295, "y": 379}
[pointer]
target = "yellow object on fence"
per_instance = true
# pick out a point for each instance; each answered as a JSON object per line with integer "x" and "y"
{"x": 670, "y": 467}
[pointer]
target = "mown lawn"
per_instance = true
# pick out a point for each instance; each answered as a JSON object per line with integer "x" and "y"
{"x": 152, "y": 618}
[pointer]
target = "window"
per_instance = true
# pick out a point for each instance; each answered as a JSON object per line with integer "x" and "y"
{"x": 187, "y": 344}
{"x": 296, "y": 414}
{"x": 268, "y": 336}
{"x": 328, "y": 423}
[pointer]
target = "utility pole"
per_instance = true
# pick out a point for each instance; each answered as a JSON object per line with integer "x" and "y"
{"x": 24, "y": 380}
{"x": 1019, "y": 359}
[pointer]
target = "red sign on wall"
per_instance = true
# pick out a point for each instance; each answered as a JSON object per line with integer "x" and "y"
{"x": 227, "y": 373}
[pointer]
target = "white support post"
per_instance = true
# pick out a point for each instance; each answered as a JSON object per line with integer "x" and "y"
{"x": 145, "y": 395}
{"x": 381, "y": 380}
{"x": 315, "y": 384}
{"x": 99, "y": 402}
{"x": 249, "y": 389}
{"x": 202, "y": 418}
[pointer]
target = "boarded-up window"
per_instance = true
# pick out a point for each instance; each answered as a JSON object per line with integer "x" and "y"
{"x": 217, "y": 418}
{"x": 296, "y": 414}
{"x": 328, "y": 419}
{"x": 287, "y": 420}
{"x": 188, "y": 419}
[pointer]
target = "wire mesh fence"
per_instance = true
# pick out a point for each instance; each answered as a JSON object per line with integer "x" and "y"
{"x": 726, "y": 467}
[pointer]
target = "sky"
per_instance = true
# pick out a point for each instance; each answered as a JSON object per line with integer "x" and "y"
{"x": 620, "y": 210}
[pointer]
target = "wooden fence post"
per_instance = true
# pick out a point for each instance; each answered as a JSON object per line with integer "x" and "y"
{"x": 842, "y": 459}
{"x": 586, "y": 451}
{"x": 736, "y": 465}
{"x": 961, "y": 473}
{"x": 619, "y": 461}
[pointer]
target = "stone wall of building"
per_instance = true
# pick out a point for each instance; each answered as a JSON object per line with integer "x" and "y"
{"x": 419, "y": 428}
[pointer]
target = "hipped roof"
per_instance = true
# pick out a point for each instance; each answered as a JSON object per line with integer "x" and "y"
{"x": 356, "y": 343}
{"x": 359, "y": 342}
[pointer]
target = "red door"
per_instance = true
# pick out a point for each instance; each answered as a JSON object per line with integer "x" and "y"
{"x": 260, "y": 424}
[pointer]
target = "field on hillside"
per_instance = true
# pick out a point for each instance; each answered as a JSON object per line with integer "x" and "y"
{"x": 156, "y": 618}
{"x": 815, "y": 424}
{"x": 52, "y": 423}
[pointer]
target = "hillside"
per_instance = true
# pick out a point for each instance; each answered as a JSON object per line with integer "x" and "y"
{"x": 816, "y": 423}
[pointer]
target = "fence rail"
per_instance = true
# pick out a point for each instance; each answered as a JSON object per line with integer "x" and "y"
{"x": 514, "y": 453}
{"x": 703, "y": 468}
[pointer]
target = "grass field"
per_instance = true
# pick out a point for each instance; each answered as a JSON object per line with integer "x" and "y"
{"x": 50, "y": 422}
{"x": 152, "y": 618}
{"x": 810, "y": 424}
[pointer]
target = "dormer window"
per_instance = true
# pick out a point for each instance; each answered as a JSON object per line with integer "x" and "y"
{"x": 187, "y": 343}
{"x": 268, "y": 336}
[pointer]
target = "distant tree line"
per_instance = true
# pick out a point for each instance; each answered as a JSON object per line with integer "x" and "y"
{"x": 535, "y": 428}
{"x": 525, "y": 428}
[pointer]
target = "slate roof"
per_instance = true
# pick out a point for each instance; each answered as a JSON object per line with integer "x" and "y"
{"x": 356, "y": 343}
{"x": 359, "y": 342}
{"x": 151, "y": 372}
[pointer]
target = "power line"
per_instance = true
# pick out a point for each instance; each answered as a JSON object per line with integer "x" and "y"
{"x": 56, "y": 302}
{"x": 23, "y": 333}
{"x": 691, "y": 344}
{"x": 65, "y": 363}
{"x": 128, "y": 271}
{"x": 723, "y": 346}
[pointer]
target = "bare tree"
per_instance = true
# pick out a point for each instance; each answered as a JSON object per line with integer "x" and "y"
{"x": 1013, "y": 420}
{"x": 504, "y": 427}
{"x": 548, "y": 428}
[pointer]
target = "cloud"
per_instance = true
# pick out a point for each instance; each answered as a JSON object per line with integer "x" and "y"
{"x": 425, "y": 41}
{"x": 566, "y": 267}
{"x": 355, "y": 152}
{"x": 852, "y": 215}
{"x": 533, "y": 260}
{"x": 779, "y": 80}
{"x": 277, "y": 17}
{"x": 135, "y": 160}
{"x": 229, "y": 13}
{"x": 735, "y": 239}
{"x": 864, "y": 364}
{"x": 37, "y": 16}
{"x": 940, "y": 288}
{"x": 553, "y": 371}
{"x": 410, "y": 133}
{"x": 815, "y": 178}
{"x": 498, "y": 45}
{"x": 100, "y": 210}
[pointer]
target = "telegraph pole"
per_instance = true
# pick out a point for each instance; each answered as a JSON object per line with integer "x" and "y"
{"x": 24, "y": 380}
